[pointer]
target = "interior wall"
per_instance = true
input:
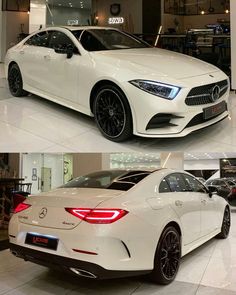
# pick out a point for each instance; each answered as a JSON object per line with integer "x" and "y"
{"x": 85, "y": 163}
{"x": 37, "y": 161}
{"x": 62, "y": 14}
{"x": 131, "y": 11}
{"x": 37, "y": 17}
{"x": 11, "y": 28}
{"x": 56, "y": 163}
{"x": 14, "y": 163}
{"x": 1, "y": 27}
{"x": 210, "y": 164}
{"x": 200, "y": 21}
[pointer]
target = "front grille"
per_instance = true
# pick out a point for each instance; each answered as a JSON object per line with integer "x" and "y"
{"x": 202, "y": 94}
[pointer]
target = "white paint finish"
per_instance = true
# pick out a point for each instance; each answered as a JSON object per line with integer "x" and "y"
{"x": 145, "y": 225}
{"x": 233, "y": 41}
{"x": 84, "y": 70}
{"x": 28, "y": 278}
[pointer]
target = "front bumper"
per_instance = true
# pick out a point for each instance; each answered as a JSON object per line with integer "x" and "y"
{"x": 185, "y": 119}
{"x": 67, "y": 264}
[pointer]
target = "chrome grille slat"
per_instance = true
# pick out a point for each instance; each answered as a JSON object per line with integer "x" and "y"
{"x": 201, "y": 94}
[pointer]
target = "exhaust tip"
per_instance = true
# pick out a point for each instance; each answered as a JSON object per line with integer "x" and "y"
{"x": 83, "y": 273}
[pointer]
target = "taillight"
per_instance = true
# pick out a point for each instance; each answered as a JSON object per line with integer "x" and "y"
{"x": 101, "y": 216}
{"x": 21, "y": 207}
{"x": 233, "y": 190}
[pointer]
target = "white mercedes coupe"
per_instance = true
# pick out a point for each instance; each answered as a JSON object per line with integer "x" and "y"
{"x": 127, "y": 85}
{"x": 119, "y": 223}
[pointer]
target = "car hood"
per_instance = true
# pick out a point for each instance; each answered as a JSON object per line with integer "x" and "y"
{"x": 154, "y": 61}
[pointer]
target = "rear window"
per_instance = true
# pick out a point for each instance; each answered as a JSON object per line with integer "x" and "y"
{"x": 111, "y": 179}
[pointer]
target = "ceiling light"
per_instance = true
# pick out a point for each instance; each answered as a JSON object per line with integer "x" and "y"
{"x": 202, "y": 12}
{"x": 226, "y": 10}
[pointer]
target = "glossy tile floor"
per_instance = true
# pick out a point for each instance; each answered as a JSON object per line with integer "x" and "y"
{"x": 34, "y": 124}
{"x": 209, "y": 270}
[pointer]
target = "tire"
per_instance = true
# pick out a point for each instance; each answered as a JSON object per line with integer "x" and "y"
{"x": 15, "y": 81}
{"x": 112, "y": 113}
{"x": 225, "y": 228}
{"x": 167, "y": 257}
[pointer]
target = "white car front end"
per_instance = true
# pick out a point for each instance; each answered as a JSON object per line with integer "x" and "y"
{"x": 194, "y": 106}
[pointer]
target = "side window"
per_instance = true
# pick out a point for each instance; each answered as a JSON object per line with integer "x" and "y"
{"x": 164, "y": 186}
{"x": 61, "y": 40}
{"x": 194, "y": 184}
{"x": 177, "y": 183}
{"x": 39, "y": 39}
{"x": 91, "y": 43}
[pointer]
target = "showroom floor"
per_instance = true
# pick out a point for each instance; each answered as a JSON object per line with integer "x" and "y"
{"x": 209, "y": 270}
{"x": 35, "y": 124}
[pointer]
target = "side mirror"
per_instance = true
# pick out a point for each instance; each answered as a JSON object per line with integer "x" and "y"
{"x": 69, "y": 50}
{"x": 211, "y": 190}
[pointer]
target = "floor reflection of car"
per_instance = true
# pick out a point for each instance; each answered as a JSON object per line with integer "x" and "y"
{"x": 225, "y": 187}
{"x": 119, "y": 223}
{"x": 126, "y": 85}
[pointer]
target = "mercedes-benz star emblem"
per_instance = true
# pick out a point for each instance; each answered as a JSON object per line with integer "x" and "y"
{"x": 43, "y": 212}
{"x": 215, "y": 93}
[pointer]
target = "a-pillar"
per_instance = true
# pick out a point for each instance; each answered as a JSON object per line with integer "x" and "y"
{"x": 173, "y": 160}
{"x": 12, "y": 24}
{"x": 84, "y": 163}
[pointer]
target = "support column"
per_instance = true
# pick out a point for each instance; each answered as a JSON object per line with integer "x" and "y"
{"x": 84, "y": 163}
{"x": 173, "y": 160}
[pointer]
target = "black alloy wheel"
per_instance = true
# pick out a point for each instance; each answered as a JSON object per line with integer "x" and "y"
{"x": 167, "y": 258}
{"x": 225, "y": 228}
{"x": 112, "y": 113}
{"x": 15, "y": 81}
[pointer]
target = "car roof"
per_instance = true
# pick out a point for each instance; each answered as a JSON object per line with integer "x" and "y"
{"x": 75, "y": 28}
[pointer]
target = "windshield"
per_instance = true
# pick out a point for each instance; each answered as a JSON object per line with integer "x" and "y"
{"x": 107, "y": 39}
{"x": 111, "y": 179}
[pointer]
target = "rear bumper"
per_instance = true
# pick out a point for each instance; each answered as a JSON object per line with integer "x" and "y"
{"x": 67, "y": 264}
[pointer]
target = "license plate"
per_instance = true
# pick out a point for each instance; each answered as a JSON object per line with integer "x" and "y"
{"x": 214, "y": 110}
{"x": 41, "y": 241}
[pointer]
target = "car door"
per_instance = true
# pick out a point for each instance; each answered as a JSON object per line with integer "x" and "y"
{"x": 31, "y": 60}
{"x": 209, "y": 215}
{"x": 63, "y": 72}
{"x": 187, "y": 206}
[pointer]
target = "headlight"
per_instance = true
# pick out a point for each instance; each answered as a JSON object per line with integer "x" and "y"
{"x": 156, "y": 88}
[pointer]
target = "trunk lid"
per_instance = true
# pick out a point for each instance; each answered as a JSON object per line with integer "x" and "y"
{"x": 48, "y": 209}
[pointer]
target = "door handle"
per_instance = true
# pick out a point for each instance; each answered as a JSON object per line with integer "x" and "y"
{"x": 22, "y": 52}
{"x": 47, "y": 57}
{"x": 203, "y": 202}
{"x": 178, "y": 203}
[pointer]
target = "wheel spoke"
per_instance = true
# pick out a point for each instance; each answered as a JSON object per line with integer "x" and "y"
{"x": 110, "y": 113}
{"x": 170, "y": 255}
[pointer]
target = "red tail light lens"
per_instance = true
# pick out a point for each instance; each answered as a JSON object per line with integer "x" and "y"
{"x": 21, "y": 207}
{"x": 233, "y": 191}
{"x": 101, "y": 216}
